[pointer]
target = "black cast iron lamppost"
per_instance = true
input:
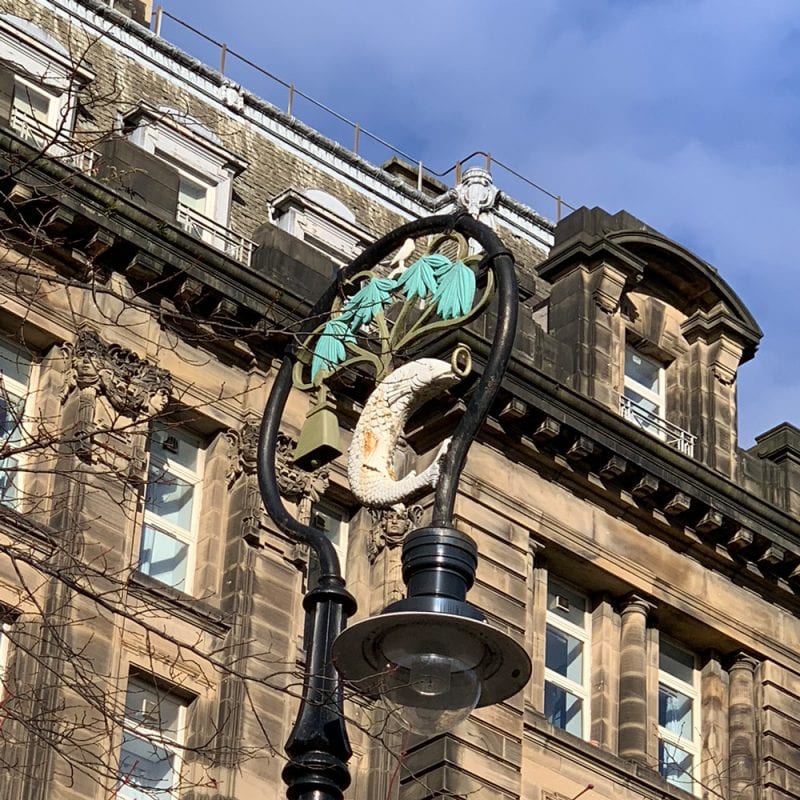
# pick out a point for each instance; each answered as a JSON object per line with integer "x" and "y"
{"x": 431, "y": 656}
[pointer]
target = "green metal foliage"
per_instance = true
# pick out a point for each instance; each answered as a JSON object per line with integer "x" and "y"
{"x": 367, "y": 302}
{"x": 448, "y": 285}
{"x": 455, "y": 291}
{"x": 330, "y": 348}
{"x": 419, "y": 280}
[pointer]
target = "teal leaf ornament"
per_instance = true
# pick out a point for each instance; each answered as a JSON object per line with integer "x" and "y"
{"x": 330, "y": 348}
{"x": 456, "y": 289}
{"x": 419, "y": 280}
{"x": 368, "y": 301}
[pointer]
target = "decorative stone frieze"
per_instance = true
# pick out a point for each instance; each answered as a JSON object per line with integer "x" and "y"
{"x": 389, "y": 528}
{"x": 243, "y": 450}
{"x": 293, "y": 482}
{"x": 133, "y": 386}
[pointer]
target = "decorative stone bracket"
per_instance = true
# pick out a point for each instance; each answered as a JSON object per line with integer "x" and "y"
{"x": 607, "y": 285}
{"x": 296, "y": 485}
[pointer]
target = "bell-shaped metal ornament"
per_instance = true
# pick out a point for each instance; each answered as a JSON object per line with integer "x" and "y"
{"x": 319, "y": 440}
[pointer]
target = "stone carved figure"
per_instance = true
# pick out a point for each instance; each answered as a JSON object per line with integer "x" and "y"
{"x": 371, "y": 456}
{"x": 132, "y": 384}
{"x": 389, "y": 528}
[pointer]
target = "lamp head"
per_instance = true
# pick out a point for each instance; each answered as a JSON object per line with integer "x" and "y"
{"x": 431, "y": 669}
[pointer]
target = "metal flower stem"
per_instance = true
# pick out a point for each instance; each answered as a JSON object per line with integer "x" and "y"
{"x": 318, "y": 747}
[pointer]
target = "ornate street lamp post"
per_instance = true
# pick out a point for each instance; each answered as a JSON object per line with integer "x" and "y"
{"x": 432, "y": 656}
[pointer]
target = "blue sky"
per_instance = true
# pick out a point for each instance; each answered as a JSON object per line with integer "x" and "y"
{"x": 686, "y": 113}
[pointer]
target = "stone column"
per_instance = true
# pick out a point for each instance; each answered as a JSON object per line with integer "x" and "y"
{"x": 742, "y": 728}
{"x": 714, "y": 726}
{"x": 633, "y": 679}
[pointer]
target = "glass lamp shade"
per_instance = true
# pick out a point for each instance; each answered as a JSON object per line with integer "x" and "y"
{"x": 430, "y": 693}
{"x": 430, "y": 669}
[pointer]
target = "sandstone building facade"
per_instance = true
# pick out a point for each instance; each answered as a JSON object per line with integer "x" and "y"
{"x": 165, "y": 233}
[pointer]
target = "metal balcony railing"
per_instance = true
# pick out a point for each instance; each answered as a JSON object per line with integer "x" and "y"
{"x": 52, "y": 141}
{"x": 233, "y": 244}
{"x": 669, "y": 433}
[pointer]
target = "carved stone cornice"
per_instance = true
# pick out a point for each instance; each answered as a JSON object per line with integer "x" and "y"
{"x": 131, "y": 384}
{"x": 389, "y": 528}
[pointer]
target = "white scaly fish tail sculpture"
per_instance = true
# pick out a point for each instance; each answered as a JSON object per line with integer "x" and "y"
{"x": 371, "y": 456}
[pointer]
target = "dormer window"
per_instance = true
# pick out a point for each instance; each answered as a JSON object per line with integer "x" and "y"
{"x": 206, "y": 169}
{"x": 322, "y": 221}
{"x": 31, "y": 114}
{"x": 44, "y": 81}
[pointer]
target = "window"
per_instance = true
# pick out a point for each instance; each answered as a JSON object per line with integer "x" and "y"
{"x": 643, "y": 401}
{"x": 15, "y": 370}
{"x": 677, "y": 715}
{"x": 333, "y": 520}
{"x": 30, "y": 114}
{"x": 154, "y": 729}
{"x": 196, "y": 196}
{"x": 206, "y": 170}
{"x": 46, "y": 80}
{"x": 644, "y": 390}
{"x": 566, "y": 660}
{"x": 171, "y": 508}
{"x": 5, "y": 627}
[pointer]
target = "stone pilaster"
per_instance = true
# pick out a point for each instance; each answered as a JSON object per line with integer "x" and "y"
{"x": 605, "y": 676}
{"x": 714, "y": 727}
{"x": 633, "y": 679}
{"x": 536, "y": 600}
{"x": 716, "y": 349}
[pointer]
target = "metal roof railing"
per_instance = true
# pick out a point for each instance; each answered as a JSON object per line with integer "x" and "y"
{"x": 323, "y": 115}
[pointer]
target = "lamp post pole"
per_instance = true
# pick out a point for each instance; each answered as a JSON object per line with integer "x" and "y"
{"x": 438, "y": 561}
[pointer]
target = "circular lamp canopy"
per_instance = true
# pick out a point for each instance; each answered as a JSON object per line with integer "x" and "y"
{"x": 431, "y": 669}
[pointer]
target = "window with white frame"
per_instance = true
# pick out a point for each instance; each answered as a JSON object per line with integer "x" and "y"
{"x": 31, "y": 113}
{"x": 567, "y": 655}
{"x": 5, "y": 628}
{"x": 206, "y": 170}
{"x": 15, "y": 375}
{"x": 678, "y": 721}
{"x": 644, "y": 390}
{"x": 332, "y": 519}
{"x": 172, "y": 501}
{"x": 153, "y": 732}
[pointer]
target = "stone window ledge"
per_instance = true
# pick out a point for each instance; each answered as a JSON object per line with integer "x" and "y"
{"x": 599, "y": 762}
{"x": 179, "y": 604}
